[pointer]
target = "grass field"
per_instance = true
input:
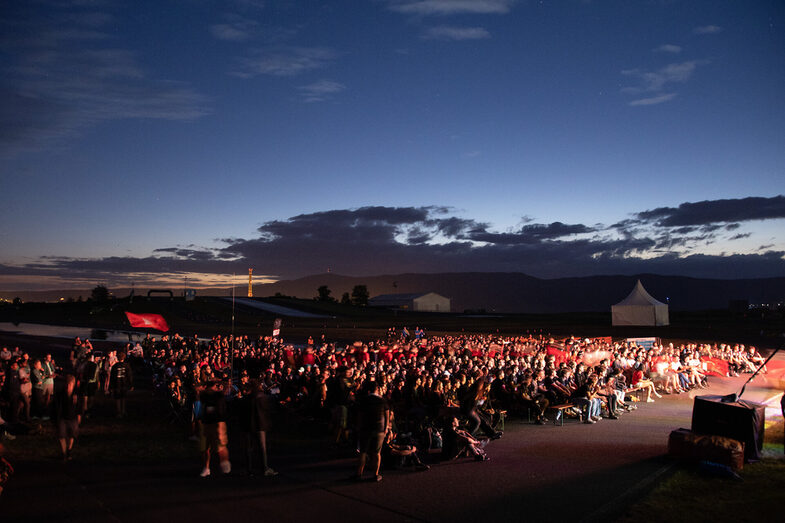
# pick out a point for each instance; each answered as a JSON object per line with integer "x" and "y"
{"x": 692, "y": 495}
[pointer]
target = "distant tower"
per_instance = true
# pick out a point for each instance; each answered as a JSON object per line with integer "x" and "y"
{"x": 250, "y": 283}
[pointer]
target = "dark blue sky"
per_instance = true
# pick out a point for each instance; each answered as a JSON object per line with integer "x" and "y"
{"x": 145, "y": 140}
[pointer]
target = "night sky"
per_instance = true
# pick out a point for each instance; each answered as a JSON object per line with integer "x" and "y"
{"x": 143, "y": 141}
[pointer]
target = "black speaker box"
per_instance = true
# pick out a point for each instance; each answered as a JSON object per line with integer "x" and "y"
{"x": 740, "y": 420}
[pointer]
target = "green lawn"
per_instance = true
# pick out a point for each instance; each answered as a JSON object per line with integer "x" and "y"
{"x": 691, "y": 495}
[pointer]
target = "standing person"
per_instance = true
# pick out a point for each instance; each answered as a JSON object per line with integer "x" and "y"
{"x": 12, "y": 391}
{"x": 89, "y": 384}
{"x": 255, "y": 413}
{"x": 50, "y": 370}
{"x": 121, "y": 381}
{"x": 26, "y": 387}
{"x": 65, "y": 414}
{"x": 109, "y": 361}
{"x": 475, "y": 394}
{"x": 37, "y": 377}
{"x": 215, "y": 438}
{"x": 261, "y": 412}
{"x": 374, "y": 422}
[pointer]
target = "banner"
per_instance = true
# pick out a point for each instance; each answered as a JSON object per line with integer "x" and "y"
{"x": 559, "y": 355}
{"x": 147, "y": 321}
{"x": 715, "y": 367}
{"x": 646, "y": 343}
{"x": 277, "y": 327}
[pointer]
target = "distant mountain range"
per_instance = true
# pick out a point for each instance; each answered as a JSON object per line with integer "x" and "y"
{"x": 504, "y": 292}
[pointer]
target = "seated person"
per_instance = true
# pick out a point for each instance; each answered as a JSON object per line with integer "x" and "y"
{"x": 458, "y": 443}
{"x": 399, "y": 451}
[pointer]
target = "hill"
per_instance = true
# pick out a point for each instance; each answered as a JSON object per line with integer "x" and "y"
{"x": 520, "y": 293}
{"x": 504, "y": 292}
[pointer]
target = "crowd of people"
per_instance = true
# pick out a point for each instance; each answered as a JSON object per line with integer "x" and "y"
{"x": 403, "y": 400}
{"x": 444, "y": 395}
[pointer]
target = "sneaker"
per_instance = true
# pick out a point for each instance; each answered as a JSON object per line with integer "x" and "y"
{"x": 590, "y": 422}
{"x": 378, "y": 478}
{"x": 204, "y": 473}
{"x": 9, "y": 436}
{"x": 226, "y": 467}
{"x": 270, "y": 472}
{"x": 613, "y": 416}
{"x": 498, "y": 435}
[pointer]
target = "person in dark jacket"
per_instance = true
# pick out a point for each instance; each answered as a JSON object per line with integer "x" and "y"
{"x": 215, "y": 437}
{"x": 255, "y": 409}
{"x": 65, "y": 413}
{"x": 121, "y": 381}
{"x": 373, "y": 424}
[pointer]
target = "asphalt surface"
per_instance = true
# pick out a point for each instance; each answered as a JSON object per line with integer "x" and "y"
{"x": 575, "y": 472}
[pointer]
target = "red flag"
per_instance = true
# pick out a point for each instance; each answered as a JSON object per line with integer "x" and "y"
{"x": 148, "y": 321}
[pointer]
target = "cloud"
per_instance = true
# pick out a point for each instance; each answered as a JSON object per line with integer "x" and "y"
{"x": 716, "y": 211}
{"x": 377, "y": 240}
{"x": 283, "y": 61}
{"x": 235, "y": 29}
{"x": 66, "y": 73}
{"x": 668, "y": 48}
{"x": 707, "y": 30}
{"x": 653, "y": 100}
{"x": 456, "y": 33}
{"x": 650, "y": 81}
{"x": 451, "y": 7}
{"x": 320, "y": 91}
{"x": 653, "y": 83}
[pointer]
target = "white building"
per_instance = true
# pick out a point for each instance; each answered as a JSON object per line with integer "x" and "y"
{"x": 421, "y": 302}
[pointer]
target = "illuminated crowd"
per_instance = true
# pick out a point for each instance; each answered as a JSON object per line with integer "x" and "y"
{"x": 438, "y": 395}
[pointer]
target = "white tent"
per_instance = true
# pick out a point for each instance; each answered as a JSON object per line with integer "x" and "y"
{"x": 639, "y": 308}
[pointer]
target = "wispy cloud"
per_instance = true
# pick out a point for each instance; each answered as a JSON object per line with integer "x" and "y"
{"x": 289, "y": 61}
{"x": 653, "y": 100}
{"x": 235, "y": 29}
{"x": 444, "y": 32}
{"x": 668, "y": 48}
{"x": 451, "y": 7}
{"x": 651, "y": 81}
{"x": 67, "y": 72}
{"x": 707, "y": 30}
{"x": 320, "y": 91}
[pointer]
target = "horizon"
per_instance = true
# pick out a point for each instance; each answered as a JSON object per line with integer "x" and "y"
{"x": 555, "y": 139}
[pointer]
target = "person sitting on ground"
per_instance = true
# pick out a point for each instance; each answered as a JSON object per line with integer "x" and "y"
{"x": 458, "y": 442}
{"x": 400, "y": 451}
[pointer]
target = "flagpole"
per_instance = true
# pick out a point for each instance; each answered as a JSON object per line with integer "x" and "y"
{"x": 231, "y": 356}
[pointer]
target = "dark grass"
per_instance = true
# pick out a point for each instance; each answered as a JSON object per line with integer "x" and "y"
{"x": 144, "y": 436}
{"x": 690, "y": 494}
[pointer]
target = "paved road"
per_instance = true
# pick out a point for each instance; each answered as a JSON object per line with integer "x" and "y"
{"x": 574, "y": 472}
